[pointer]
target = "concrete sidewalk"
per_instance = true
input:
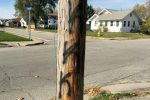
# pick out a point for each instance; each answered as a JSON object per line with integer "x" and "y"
{"x": 22, "y": 44}
{"x": 38, "y": 37}
{"x": 142, "y": 90}
{"x": 127, "y": 88}
{"x": 35, "y": 35}
{"x": 137, "y": 98}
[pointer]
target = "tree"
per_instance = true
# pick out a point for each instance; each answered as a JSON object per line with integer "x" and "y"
{"x": 90, "y": 11}
{"x": 140, "y": 10}
{"x": 148, "y": 8}
{"x": 71, "y": 49}
{"x": 143, "y": 11}
{"x": 146, "y": 26}
{"x": 40, "y": 8}
{"x": 146, "y": 23}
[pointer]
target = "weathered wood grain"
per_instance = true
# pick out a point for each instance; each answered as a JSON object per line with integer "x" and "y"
{"x": 71, "y": 49}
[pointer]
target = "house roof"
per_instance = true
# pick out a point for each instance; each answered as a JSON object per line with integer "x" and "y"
{"x": 98, "y": 10}
{"x": 53, "y": 16}
{"x": 93, "y": 17}
{"x": 115, "y": 15}
{"x": 16, "y": 19}
{"x": 111, "y": 10}
{"x": 2, "y": 20}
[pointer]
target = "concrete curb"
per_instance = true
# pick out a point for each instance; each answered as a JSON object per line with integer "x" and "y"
{"x": 127, "y": 88}
{"x": 22, "y": 44}
{"x": 4, "y": 45}
{"x": 137, "y": 98}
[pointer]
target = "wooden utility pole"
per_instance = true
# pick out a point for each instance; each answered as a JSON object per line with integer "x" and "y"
{"x": 71, "y": 49}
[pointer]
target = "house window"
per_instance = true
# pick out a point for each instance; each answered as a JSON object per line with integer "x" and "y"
{"x": 90, "y": 22}
{"x": 117, "y": 23}
{"x": 105, "y": 23}
{"x": 49, "y": 21}
{"x": 54, "y": 21}
{"x": 96, "y": 23}
{"x": 130, "y": 14}
{"x": 111, "y": 23}
{"x": 133, "y": 23}
{"x": 128, "y": 23}
{"x": 124, "y": 24}
{"x": 101, "y": 23}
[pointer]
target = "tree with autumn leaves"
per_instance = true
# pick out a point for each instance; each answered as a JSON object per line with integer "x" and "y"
{"x": 143, "y": 10}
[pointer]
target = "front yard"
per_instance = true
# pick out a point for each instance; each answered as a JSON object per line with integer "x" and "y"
{"x": 109, "y": 34}
{"x": 7, "y": 37}
{"x": 120, "y": 35}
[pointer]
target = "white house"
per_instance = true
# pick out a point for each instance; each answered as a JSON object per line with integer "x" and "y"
{"x": 52, "y": 20}
{"x": 42, "y": 24}
{"x": 23, "y": 22}
{"x": 115, "y": 20}
{"x": 92, "y": 20}
{"x": 7, "y": 23}
{"x": 1, "y": 22}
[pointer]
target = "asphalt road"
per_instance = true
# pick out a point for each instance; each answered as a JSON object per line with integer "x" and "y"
{"x": 30, "y": 72}
{"x": 20, "y": 68}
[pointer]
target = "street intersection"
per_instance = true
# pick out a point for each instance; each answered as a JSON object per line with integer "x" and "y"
{"x": 30, "y": 72}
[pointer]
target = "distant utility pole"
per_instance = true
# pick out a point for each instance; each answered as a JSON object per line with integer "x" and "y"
{"x": 71, "y": 49}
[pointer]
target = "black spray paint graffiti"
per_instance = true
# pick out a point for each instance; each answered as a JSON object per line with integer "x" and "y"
{"x": 63, "y": 79}
{"x": 69, "y": 51}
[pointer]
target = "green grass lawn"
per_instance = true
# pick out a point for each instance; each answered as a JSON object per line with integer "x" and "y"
{"x": 7, "y": 37}
{"x": 109, "y": 96}
{"x": 112, "y": 35}
{"x": 109, "y": 34}
{"x": 116, "y": 34}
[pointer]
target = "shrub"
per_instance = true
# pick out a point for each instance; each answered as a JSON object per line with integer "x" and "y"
{"x": 23, "y": 27}
{"x": 146, "y": 26}
{"x": 1, "y": 25}
{"x": 105, "y": 29}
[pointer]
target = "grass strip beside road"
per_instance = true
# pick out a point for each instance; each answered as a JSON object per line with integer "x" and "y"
{"x": 118, "y": 34}
{"x": 108, "y": 96}
{"x": 112, "y": 35}
{"x": 7, "y": 37}
{"x": 129, "y": 36}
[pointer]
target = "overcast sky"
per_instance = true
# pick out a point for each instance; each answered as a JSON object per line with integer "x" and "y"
{"x": 7, "y": 6}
